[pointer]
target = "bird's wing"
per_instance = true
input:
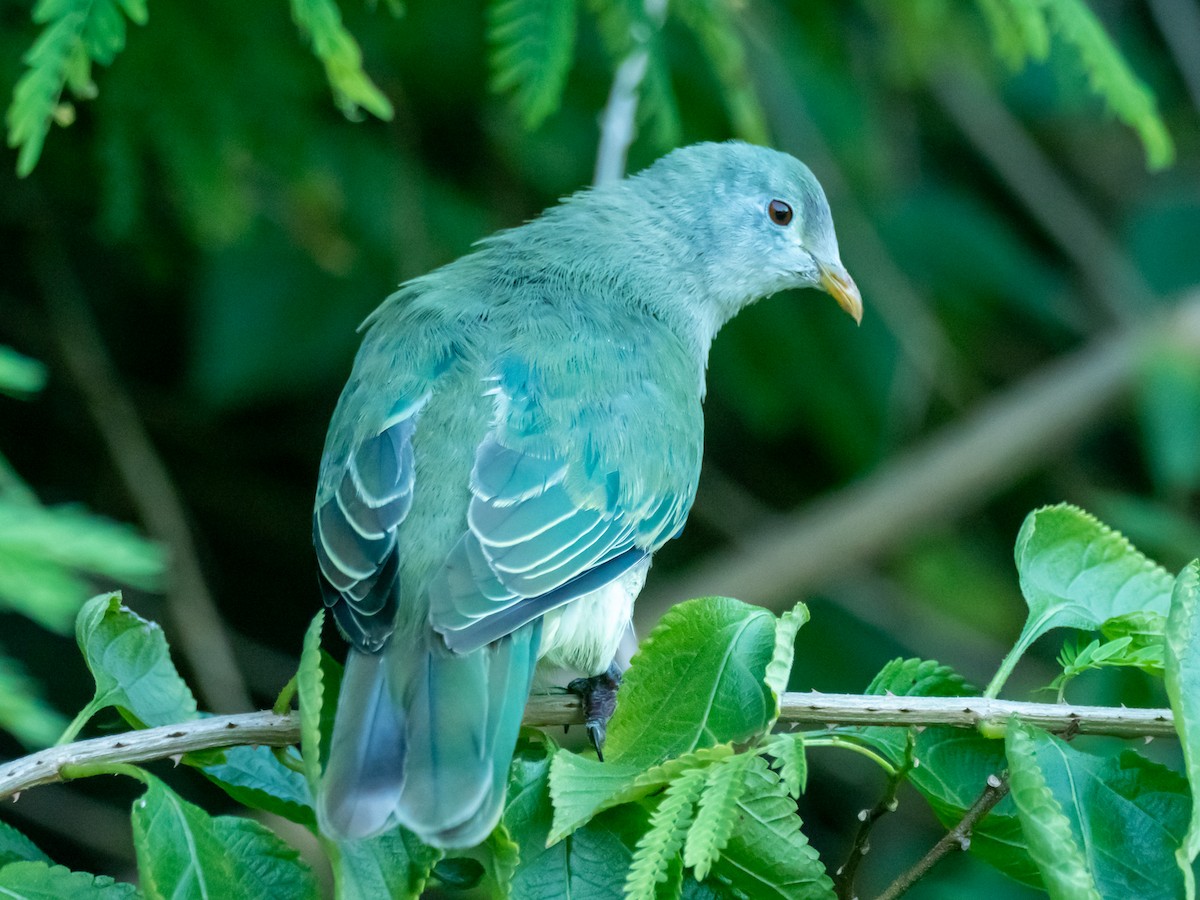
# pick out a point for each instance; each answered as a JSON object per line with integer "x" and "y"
{"x": 568, "y": 492}
{"x": 369, "y": 492}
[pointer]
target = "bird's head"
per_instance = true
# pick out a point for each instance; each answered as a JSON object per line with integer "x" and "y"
{"x": 757, "y": 222}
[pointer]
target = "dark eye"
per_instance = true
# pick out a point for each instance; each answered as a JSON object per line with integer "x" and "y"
{"x": 780, "y": 212}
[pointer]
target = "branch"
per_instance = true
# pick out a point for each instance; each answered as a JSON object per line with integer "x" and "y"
{"x": 957, "y": 838}
{"x": 620, "y": 112}
{"x": 274, "y": 730}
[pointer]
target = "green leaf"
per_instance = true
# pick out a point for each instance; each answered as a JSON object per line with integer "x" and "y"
{"x": 696, "y": 681}
{"x": 1125, "y": 815}
{"x": 254, "y": 777}
{"x": 131, "y": 664}
{"x": 15, "y": 847}
{"x": 24, "y": 713}
{"x": 183, "y": 852}
{"x": 1019, "y": 30}
{"x": 716, "y": 814}
{"x": 394, "y": 864}
{"x": 43, "y": 881}
{"x": 310, "y": 690}
{"x": 20, "y": 376}
{"x": 768, "y": 856}
{"x": 588, "y": 864}
{"x": 581, "y": 786}
{"x": 533, "y": 43}
{"x": 77, "y": 33}
{"x": 780, "y": 666}
{"x": 1047, "y": 829}
{"x": 1111, "y": 78}
{"x": 791, "y": 762}
{"x": 1183, "y": 689}
{"x": 1143, "y": 628}
{"x": 41, "y": 547}
{"x": 662, "y": 840}
{"x": 1077, "y": 573}
{"x": 336, "y": 48}
{"x": 918, "y": 678}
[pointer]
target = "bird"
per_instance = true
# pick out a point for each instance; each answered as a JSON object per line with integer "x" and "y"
{"x": 522, "y": 429}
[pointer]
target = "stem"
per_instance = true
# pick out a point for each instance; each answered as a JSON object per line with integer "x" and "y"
{"x": 957, "y": 838}
{"x": 867, "y": 819}
{"x": 843, "y": 744}
{"x": 283, "y": 702}
{"x": 77, "y": 723}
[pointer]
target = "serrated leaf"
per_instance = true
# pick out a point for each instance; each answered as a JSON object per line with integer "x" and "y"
{"x": 43, "y": 881}
{"x": 768, "y": 857}
{"x": 336, "y": 48}
{"x": 20, "y": 376}
{"x": 790, "y": 761}
{"x": 780, "y": 667}
{"x": 1126, "y": 817}
{"x": 1051, "y": 843}
{"x": 581, "y": 787}
{"x": 1182, "y": 679}
{"x": 15, "y": 847}
{"x": 254, "y": 777}
{"x": 394, "y": 864}
{"x": 716, "y": 814}
{"x": 663, "y": 839}
{"x": 1076, "y": 572}
{"x": 533, "y": 44}
{"x": 1018, "y": 28}
{"x": 131, "y": 663}
{"x": 310, "y": 692}
{"x": 696, "y": 681}
{"x": 183, "y": 852}
{"x": 916, "y": 677}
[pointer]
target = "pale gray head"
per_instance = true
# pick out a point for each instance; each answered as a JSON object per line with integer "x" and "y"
{"x": 757, "y": 220}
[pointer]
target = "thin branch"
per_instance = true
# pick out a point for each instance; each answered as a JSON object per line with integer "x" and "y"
{"x": 866, "y": 822}
{"x": 957, "y": 838}
{"x": 619, "y": 118}
{"x": 196, "y": 626}
{"x": 1017, "y": 430}
{"x": 274, "y": 730}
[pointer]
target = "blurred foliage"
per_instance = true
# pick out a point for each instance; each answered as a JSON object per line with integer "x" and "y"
{"x": 231, "y": 227}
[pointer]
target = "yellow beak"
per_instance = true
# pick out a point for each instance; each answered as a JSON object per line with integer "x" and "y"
{"x": 838, "y": 283}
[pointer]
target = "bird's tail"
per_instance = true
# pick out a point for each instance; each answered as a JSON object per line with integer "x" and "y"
{"x": 424, "y": 738}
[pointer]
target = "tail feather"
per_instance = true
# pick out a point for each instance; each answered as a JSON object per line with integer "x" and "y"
{"x": 424, "y": 738}
{"x": 365, "y": 775}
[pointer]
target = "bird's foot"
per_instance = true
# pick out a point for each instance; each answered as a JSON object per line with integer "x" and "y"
{"x": 599, "y": 696}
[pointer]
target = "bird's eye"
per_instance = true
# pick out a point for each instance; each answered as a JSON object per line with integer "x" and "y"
{"x": 780, "y": 212}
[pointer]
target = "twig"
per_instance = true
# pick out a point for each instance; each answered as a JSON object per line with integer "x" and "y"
{"x": 957, "y": 838}
{"x": 620, "y": 112}
{"x": 196, "y": 626}
{"x": 943, "y": 476}
{"x": 866, "y": 821}
{"x": 274, "y": 730}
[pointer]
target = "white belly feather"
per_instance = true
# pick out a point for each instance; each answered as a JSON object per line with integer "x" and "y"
{"x": 582, "y": 638}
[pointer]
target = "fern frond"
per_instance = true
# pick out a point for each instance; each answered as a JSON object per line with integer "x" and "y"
{"x": 1110, "y": 77}
{"x": 714, "y": 23}
{"x": 533, "y": 43}
{"x": 662, "y": 840}
{"x": 716, "y": 814}
{"x": 1018, "y": 28}
{"x": 77, "y": 33}
{"x": 336, "y": 48}
{"x": 790, "y": 761}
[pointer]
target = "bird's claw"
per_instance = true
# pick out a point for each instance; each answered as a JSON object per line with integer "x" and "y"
{"x": 599, "y": 696}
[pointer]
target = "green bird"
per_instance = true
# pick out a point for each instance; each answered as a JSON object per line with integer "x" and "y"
{"x": 521, "y": 431}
